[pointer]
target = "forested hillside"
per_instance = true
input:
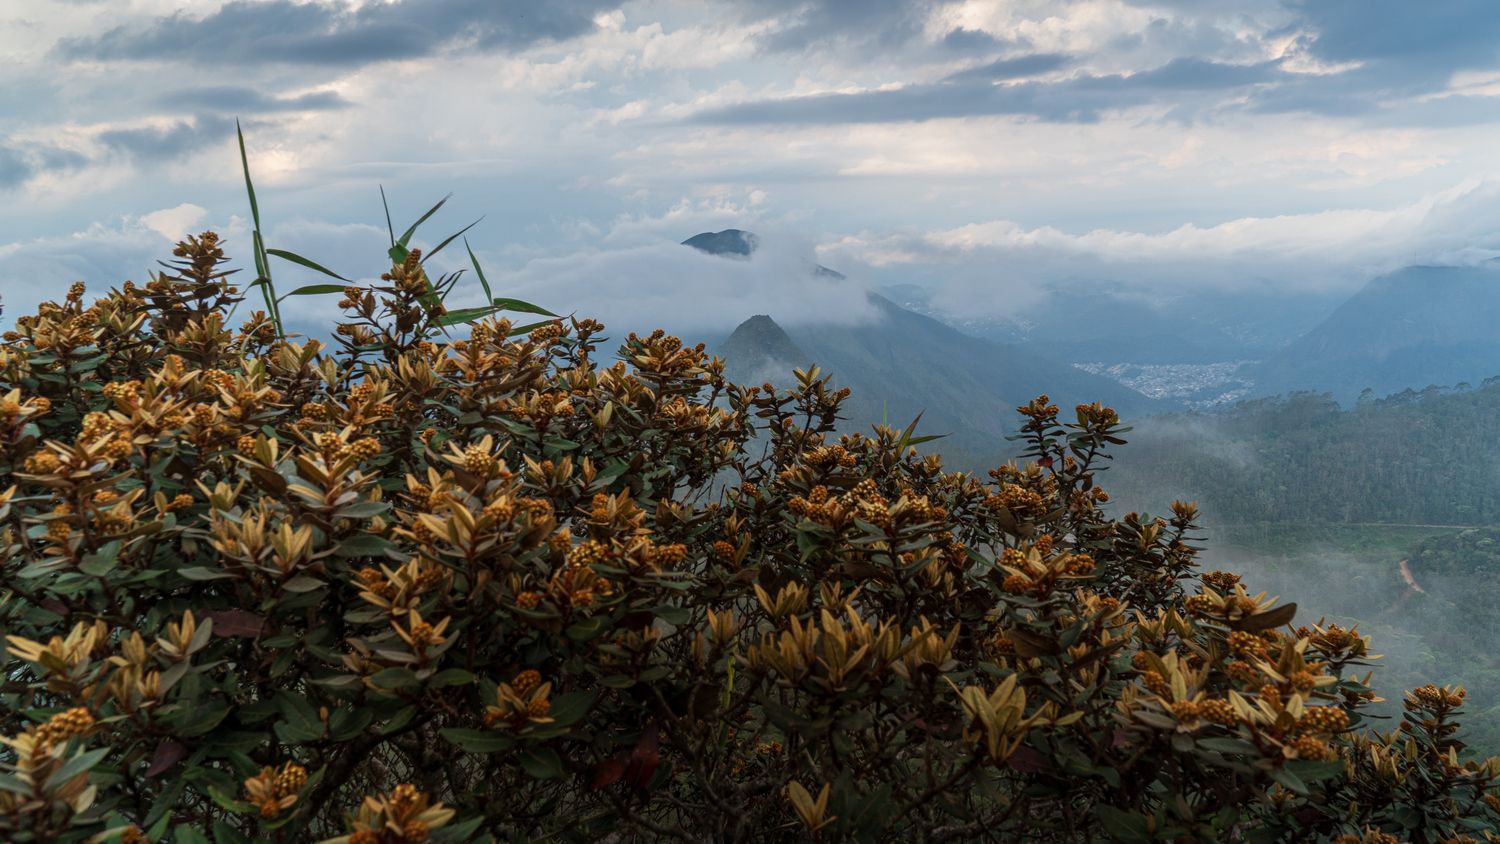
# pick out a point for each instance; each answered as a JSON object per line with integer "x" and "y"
{"x": 1410, "y": 458}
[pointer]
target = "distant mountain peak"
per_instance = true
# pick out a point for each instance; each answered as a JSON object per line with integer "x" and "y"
{"x": 738, "y": 243}
{"x": 760, "y": 350}
{"x": 726, "y": 242}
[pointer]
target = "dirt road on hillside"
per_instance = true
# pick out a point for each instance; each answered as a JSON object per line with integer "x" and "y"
{"x": 1410, "y": 581}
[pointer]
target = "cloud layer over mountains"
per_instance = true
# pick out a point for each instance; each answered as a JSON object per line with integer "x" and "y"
{"x": 989, "y": 148}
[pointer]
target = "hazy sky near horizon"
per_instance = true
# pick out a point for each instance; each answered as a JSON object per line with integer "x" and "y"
{"x": 987, "y": 148}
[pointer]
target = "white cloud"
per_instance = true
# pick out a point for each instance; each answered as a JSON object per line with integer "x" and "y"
{"x": 173, "y": 223}
{"x": 986, "y": 266}
{"x": 102, "y": 256}
{"x": 667, "y": 285}
{"x": 578, "y": 147}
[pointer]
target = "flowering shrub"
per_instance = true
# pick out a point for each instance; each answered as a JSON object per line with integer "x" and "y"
{"x": 416, "y": 588}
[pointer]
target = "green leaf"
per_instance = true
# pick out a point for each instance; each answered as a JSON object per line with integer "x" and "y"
{"x": 1289, "y": 781}
{"x": 315, "y": 290}
{"x": 363, "y": 545}
{"x": 387, "y": 206}
{"x": 302, "y": 583}
{"x": 675, "y": 616}
{"x": 588, "y": 628}
{"x": 362, "y": 510}
{"x": 394, "y": 678}
{"x": 455, "y": 833}
{"x": 1123, "y": 825}
{"x": 543, "y": 763}
{"x": 449, "y": 239}
{"x": 405, "y": 237}
{"x": 310, "y": 264}
{"x": 570, "y": 708}
{"x": 528, "y": 328}
{"x": 520, "y": 307}
{"x": 1314, "y": 771}
{"x": 245, "y": 163}
{"x": 226, "y": 834}
{"x": 185, "y": 834}
{"x": 202, "y": 573}
{"x": 484, "y": 282}
{"x": 399, "y": 720}
{"x": 451, "y": 677}
{"x": 465, "y": 315}
{"x": 204, "y": 719}
{"x": 1226, "y": 745}
{"x": 79, "y": 764}
{"x": 226, "y": 801}
{"x": 478, "y": 741}
{"x": 103, "y": 561}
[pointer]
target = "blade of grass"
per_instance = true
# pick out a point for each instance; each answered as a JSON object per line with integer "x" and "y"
{"x": 479, "y": 271}
{"x": 268, "y": 287}
{"x": 298, "y": 259}
{"x": 522, "y": 307}
{"x": 465, "y": 315}
{"x": 262, "y": 263}
{"x": 906, "y": 435}
{"x": 314, "y": 290}
{"x": 450, "y": 239}
{"x": 387, "y": 206}
{"x": 527, "y": 329}
{"x": 245, "y": 163}
{"x": 405, "y": 237}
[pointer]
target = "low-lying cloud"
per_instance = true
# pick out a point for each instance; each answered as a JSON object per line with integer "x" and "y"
{"x": 667, "y": 285}
{"x": 988, "y": 267}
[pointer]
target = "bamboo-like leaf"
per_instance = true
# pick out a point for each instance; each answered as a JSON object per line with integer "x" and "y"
{"x": 483, "y": 282}
{"x": 527, "y": 329}
{"x": 387, "y": 206}
{"x": 926, "y": 438}
{"x": 298, "y": 259}
{"x": 405, "y": 237}
{"x": 521, "y": 307}
{"x": 449, "y": 239}
{"x": 245, "y": 163}
{"x": 906, "y": 435}
{"x": 465, "y": 315}
{"x": 315, "y": 290}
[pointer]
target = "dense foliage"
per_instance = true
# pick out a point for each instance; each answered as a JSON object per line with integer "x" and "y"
{"x": 422, "y": 588}
{"x": 1424, "y": 457}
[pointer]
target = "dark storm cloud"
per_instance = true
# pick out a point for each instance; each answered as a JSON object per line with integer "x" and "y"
{"x": 164, "y": 143}
{"x": 327, "y": 33}
{"x": 236, "y": 100}
{"x": 1078, "y": 100}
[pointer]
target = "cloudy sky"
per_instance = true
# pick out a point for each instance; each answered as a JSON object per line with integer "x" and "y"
{"x": 984, "y": 148}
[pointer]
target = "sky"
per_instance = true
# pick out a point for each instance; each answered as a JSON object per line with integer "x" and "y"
{"x": 987, "y": 151}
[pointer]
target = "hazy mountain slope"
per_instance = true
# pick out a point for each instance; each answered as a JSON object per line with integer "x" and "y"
{"x": 1093, "y": 322}
{"x": 1412, "y": 328}
{"x": 759, "y": 351}
{"x": 903, "y": 363}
